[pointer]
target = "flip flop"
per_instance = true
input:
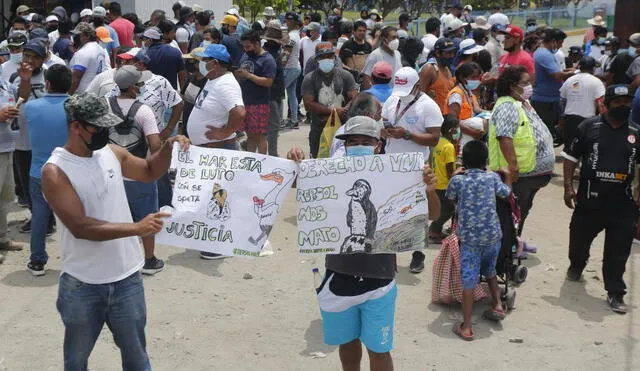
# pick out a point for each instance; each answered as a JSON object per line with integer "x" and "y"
{"x": 493, "y": 314}
{"x": 529, "y": 248}
{"x": 457, "y": 329}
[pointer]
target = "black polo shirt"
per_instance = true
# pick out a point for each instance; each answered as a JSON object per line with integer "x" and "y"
{"x": 608, "y": 157}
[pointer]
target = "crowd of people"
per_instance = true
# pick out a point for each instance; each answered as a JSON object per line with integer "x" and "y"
{"x": 475, "y": 96}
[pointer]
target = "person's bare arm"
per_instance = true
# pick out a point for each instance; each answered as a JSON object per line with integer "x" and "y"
{"x": 352, "y": 94}
{"x": 509, "y": 153}
{"x": 454, "y": 109}
{"x": 568, "y": 169}
{"x": 427, "y": 75}
{"x": 430, "y": 138}
{"x": 265, "y": 82}
{"x": 151, "y": 168}
{"x": 173, "y": 121}
{"x": 433, "y": 201}
{"x": 236, "y": 120}
{"x": 311, "y": 105}
{"x": 154, "y": 142}
{"x": 474, "y": 133}
{"x": 450, "y": 169}
{"x": 76, "y": 76}
{"x": 366, "y": 82}
{"x": 182, "y": 77}
{"x": 64, "y": 201}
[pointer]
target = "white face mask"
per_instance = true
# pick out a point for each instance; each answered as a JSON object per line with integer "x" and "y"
{"x": 500, "y": 38}
{"x": 394, "y": 44}
{"x": 205, "y": 43}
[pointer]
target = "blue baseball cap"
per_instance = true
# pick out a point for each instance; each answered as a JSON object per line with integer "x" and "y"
{"x": 39, "y": 33}
{"x": 215, "y": 51}
{"x": 36, "y": 46}
{"x": 142, "y": 57}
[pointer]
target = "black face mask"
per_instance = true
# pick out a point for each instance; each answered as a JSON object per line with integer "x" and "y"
{"x": 252, "y": 54}
{"x": 51, "y": 28}
{"x": 225, "y": 30}
{"x": 620, "y": 114}
{"x": 272, "y": 46}
{"x": 99, "y": 139}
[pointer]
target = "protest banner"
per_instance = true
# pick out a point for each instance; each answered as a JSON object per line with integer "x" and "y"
{"x": 367, "y": 204}
{"x": 225, "y": 202}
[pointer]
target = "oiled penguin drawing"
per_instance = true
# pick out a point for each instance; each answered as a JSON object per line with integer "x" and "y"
{"x": 362, "y": 219}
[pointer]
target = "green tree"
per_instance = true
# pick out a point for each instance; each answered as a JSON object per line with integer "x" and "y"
{"x": 254, "y": 8}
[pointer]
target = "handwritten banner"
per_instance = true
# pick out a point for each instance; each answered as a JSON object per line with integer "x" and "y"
{"x": 225, "y": 202}
{"x": 368, "y": 204}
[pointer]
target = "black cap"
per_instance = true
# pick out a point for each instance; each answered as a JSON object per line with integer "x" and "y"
{"x": 185, "y": 12}
{"x": 16, "y": 39}
{"x": 39, "y": 33}
{"x": 404, "y": 17}
{"x": 291, "y": 15}
{"x": 445, "y": 45}
{"x": 36, "y": 46}
{"x": 587, "y": 63}
{"x": 616, "y": 91}
{"x": 575, "y": 50}
{"x": 37, "y": 18}
{"x": 613, "y": 40}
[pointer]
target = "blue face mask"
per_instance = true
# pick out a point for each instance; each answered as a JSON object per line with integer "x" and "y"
{"x": 360, "y": 150}
{"x": 202, "y": 67}
{"x": 473, "y": 84}
{"x": 326, "y": 65}
{"x": 456, "y": 135}
{"x": 141, "y": 92}
{"x": 633, "y": 52}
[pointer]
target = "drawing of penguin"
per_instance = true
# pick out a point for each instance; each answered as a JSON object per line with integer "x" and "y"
{"x": 218, "y": 207}
{"x": 267, "y": 208}
{"x": 362, "y": 219}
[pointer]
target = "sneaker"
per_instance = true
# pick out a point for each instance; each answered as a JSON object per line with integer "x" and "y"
{"x": 152, "y": 266}
{"x": 10, "y": 246}
{"x": 417, "y": 262}
{"x": 26, "y": 227}
{"x": 574, "y": 276}
{"x": 211, "y": 255}
{"x": 616, "y": 302}
{"x": 36, "y": 268}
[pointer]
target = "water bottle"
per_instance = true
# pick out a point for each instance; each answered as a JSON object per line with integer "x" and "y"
{"x": 317, "y": 279}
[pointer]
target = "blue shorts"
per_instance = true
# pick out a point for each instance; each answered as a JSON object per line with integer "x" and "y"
{"x": 368, "y": 317}
{"x": 142, "y": 197}
{"x": 475, "y": 260}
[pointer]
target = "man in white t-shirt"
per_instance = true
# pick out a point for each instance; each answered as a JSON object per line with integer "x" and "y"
{"x": 184, "y": 32}
{"x": 583, "y": 94}
{"x": 387, "y": 51}
{"x": 142, "y": 197}
{"x": 219, "y": 110}
{"x": 292, "y": 69}
{"x": 101, "y": 256}
{"x": 89, "y": 61}
{"x": 412, "y": 124}
{"x": 308, "y": 43}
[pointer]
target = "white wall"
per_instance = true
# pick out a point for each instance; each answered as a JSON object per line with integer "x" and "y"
{"x": 144, "y": 8}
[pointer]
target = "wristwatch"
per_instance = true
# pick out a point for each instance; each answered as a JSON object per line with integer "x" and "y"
{"x": 406, "y": 135}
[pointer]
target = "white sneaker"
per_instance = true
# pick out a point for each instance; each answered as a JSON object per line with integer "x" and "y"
{"x": 636, "y": 241}
{"x": 267, "y": 250}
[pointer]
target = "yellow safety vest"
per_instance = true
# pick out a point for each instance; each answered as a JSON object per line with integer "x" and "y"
{"x": 523, "y": 141}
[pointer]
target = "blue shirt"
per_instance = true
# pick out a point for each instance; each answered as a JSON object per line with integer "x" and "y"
{"x": 62, "y": 48}
{"x": 233, "y": 47}
{"x": 113, "y": 44}
{"x": 475, "y": 192}
{"x": 635, "y": 108}
{"x": 547, "y": 89}
{"x": 382, "y": 92}
{"x": 166, "y": 61}
{"x": 47, "y": 123}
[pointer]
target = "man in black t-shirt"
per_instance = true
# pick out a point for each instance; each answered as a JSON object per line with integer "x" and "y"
{"x": 354, "y": 52}
{"x": 608, "y": 148}
{"x": 617, "y": 73}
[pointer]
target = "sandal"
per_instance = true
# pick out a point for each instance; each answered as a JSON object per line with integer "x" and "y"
{"x": 493, "y": 314}
{"x": 529, "y": 248}
{"x": 457, "y": 329}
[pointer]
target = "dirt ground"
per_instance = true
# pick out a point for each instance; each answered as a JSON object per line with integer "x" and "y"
{"x": 202, "y": 315}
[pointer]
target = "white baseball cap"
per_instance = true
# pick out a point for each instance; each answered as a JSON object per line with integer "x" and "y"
{"x": 86, "y": 13}
{"x": 453, "y": 24}
{"x": 404, "y": 81}
{"x": 469, "y": 46}
{"x": 51, "y": 18}
{"x": 99, "y": 12}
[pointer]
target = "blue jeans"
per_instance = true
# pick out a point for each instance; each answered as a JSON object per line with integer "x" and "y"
{"x": 165, "y": 190}
{"x": 41, "y": 220}
{"x": 290, "y": 79}
{"x": 85, "y": 308}
{"x": 142, "y": 198}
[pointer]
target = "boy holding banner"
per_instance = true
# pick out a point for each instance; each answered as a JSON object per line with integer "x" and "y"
{"x": 357, "y": 296}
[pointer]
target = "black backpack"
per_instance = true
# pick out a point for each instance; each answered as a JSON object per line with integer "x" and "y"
{"x": 128, "y": 134}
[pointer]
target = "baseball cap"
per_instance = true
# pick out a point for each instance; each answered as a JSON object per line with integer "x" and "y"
{"x": 86, "y": 13}
{"x": 152, "y": 33}
{"x": 126, "y": 76}
{"x": 193, "y": 53}
{"x": 22, "y": 9}
{"x": 514, "y": 31}
{"x": 185, "y": 12}
{"x": 445, "y": 45}
{"x": 130, "y": 54}
{"x": 635, "y": 38}
{"x": 51, "y": 18}
{"x": 481, "y": 23}
{"x": 142, "y": 56}
{"x": 38, "y": 33}
{"x": 83, "y": 28}
{"x": 587, "y": 63}
{"x": 103, "y": 34}
{"x": 616, "y": 91}
{"x": 99, "y": 12}
{"x": 613, "y": 40}
{"x": 291, "y": 16}
{"x": 197, "y": 8}
{"x": 91, "y": 109}
{"x": 230, "y": 20}
{"x": 575, "y": 50}
{"x": 453, "y": 24}
{"x": 325, "y": 48}
{"x": 405, "y": 17}
{"x": 313, "y": 26}
{"x": 215, "y": 51}
{"x": 361, "y": 125}
{"x": 498, "y": 27}
{"x": 36, "y": 46}
{"x": 382, "y": 70}
{"x": 233, "y": 11}
{"x": 468, "y": 47}
{"x": 468, "y": 7}
{"x": 16, "y": 39}
{"x": 404, "y": 81}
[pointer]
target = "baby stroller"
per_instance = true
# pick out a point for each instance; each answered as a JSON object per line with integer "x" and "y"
{"x": 509, "y": 263}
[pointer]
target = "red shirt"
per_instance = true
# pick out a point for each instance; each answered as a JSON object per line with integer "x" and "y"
{"x": 521, "y": 58}
{"x": 124, "y": 29}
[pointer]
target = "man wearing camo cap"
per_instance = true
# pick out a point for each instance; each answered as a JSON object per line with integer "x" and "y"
{"x": 101, "y": 255}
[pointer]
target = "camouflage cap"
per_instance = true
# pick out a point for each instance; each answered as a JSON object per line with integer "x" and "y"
{"x": 90, "y": 109}
{"x": 83, "y": 28}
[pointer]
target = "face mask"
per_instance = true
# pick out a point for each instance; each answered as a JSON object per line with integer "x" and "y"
{"x": 16, "y": 58}
{"x": 394, "y": 44}
{"x": 473, "y": 84}
{"x": 456, "y": 135}
{"x": 607, "y": 53}
{"x": 202, "y": 67}
{"x": 141, "y": 92}
{"x": 99, "y": 139}
{"x": 527, "y": 92}
{"x": 373, "y": 17}
{"x": 620, "y": 114}
{"x": 500, "y": 38}
{"x": 446, "y": 61}
{"x": 51, "y": 28}
{"x": 252, "y": 54}
{"x": 212, "y": 23}
{"x": 326, "y": 65}
{"x": 225, "y": 30}
{"x": 360, "y": 150}
{"x": 601, "y": 40}
{"x": 408, "y": 98}
{"x": 532, "y": 28}
{"x": 632, "y": 52}
{"x": 206, "y": 43}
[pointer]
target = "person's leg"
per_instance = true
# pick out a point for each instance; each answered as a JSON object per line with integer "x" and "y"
{"x": 525, "y": 189}
{"x": 6, "y": 192}
{"x": 291, "y": 76}
{"x": 570, "y": 129}
{"x": 314, "y": 139}
{"x": 488, "y": 270}
{"x": 262, "y": 111}
{"x": 378, "y": 316}
{"x": 619, "y": 232}
{"x": 82, "y": 308}
{"x": 23, "y": 160}
{"x": 380, "y": 361}
{"x": 351, "y": 355}
{"x": 165, "y": 190}
{"x": 127, "y": 317}
{"x": 252, "y": 142}
{"x": 275, "y": 111}
{"x": 470, "y": 260}
{"x": 446, "y": 212}
{"x": 583, "y": 229}
{"x": 143, "y": 200}
{"x": 262, "y": 144}
{"x": 40, "y": 212}
{"x": 546, "y": 112}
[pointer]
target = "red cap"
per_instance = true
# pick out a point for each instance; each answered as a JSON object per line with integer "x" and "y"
{"x": 514, "y": 31}
{"x": 382, "y": 70}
